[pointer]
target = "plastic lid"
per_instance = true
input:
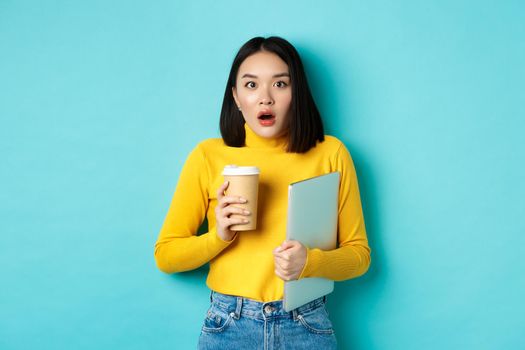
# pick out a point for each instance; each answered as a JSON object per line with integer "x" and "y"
{"x": 231, "y": 170}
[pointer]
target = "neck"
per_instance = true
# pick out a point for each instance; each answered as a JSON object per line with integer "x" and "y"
{"x": 255, "y": 141}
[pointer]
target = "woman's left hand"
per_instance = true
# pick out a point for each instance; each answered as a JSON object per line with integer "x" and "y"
{"x": 289, "y": 259}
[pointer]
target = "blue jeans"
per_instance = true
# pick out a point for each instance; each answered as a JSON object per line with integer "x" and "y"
{"x": 240, "y": 323}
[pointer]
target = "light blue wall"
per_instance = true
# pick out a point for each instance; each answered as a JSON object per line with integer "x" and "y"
{"x": 100, "y": 102}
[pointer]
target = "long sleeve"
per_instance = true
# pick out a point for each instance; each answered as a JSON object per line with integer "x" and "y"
{"x": 178, "y": 247}
{"x": 352, "y": 257}
{"x": 245, "y": 266}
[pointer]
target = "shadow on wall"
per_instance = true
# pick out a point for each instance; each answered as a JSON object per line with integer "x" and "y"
{"x": 192, "y": 278}
{"x": 342, "y": 303}
{"x": 335, "y": 94}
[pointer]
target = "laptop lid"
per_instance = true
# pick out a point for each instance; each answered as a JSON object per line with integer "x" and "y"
{"x": 312, "y": 220}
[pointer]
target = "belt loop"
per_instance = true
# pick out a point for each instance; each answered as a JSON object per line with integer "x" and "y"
{"x": 295, "y": 314}
{"x": 238, "y": 308}
{"x": 211, "y": 296}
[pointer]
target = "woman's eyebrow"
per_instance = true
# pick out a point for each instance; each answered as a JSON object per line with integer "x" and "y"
{"x": 253, "y": 76}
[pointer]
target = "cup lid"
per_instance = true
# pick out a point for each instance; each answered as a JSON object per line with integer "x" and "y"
{"x": 232, "y": 170}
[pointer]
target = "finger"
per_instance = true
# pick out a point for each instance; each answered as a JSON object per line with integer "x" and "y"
{"x": 282, "y": 275}
{"x": 229, "y": 210}
{"x": 227, "y": 200}
{"x": 277, "y": 250}
{"x": 220, "y": 191}
{"x": 288, "y": 244}
{"x": 236, "y": 221}
{"x": 277, "y": 253}
{"x": 283, "y": 255}
{"x": 284, "y": 265}
{"x": 283, "y": 259}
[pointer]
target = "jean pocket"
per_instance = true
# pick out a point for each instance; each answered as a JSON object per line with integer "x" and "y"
{"x": 216, "y": 320}
{"x": 316, "y": 321}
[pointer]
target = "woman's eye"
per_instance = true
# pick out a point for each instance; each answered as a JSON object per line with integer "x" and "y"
{"x": 250, "y": 85}
{"x": 280, "y": 84}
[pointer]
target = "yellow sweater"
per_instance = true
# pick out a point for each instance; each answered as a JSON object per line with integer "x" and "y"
{"x": 245, "y": 265}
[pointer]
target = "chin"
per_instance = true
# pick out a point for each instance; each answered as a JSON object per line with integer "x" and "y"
{"x": 269, "y": 134}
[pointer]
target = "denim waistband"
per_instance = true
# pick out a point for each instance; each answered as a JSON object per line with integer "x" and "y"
{"x": 238, "y": 306}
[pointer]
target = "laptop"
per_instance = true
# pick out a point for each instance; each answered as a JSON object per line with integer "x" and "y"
{"x": 312, "y": 220}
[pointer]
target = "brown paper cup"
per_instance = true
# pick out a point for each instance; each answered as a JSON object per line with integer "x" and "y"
{"x": 243, "y": 182}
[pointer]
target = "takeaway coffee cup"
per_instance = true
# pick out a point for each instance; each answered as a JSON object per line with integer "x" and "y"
{"x": 243, "y": 182}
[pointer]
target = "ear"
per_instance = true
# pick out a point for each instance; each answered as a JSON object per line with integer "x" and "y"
{"x": 234, "y": 93}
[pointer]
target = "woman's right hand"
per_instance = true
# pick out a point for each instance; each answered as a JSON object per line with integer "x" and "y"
{"x": 225, "y": 208}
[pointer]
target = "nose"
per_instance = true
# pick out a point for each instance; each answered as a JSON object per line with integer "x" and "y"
{"x": 266, "y": 98}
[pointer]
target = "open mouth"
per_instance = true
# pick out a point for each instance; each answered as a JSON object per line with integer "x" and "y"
{"x": 266, "y": 118}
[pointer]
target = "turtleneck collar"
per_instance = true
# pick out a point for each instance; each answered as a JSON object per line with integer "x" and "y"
{"x": 255, "y": 141}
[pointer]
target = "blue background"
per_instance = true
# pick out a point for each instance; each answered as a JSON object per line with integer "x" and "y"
{"x": 101, "y": 101}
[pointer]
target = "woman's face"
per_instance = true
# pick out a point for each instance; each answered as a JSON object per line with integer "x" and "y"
{"x": 264, "y": 94}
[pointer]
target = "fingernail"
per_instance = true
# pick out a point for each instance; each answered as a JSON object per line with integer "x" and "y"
{"x": 247, "y": 212}
{"x": 246, "y": 221}
{"x": 243, "y": 200}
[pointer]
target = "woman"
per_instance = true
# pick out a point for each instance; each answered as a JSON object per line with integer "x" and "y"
{"x": 269, "y": 120}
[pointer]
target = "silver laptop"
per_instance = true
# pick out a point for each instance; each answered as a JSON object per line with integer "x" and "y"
{"x": 312, "y": 220}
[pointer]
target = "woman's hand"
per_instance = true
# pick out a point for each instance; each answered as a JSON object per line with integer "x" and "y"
{"x": 224, "y": 210}
{"x": 289, "y": 258}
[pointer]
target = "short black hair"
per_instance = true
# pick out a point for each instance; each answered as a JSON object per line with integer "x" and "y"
{"x": 305, "y": 126}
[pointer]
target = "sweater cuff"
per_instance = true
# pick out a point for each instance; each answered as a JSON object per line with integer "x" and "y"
{"x": 313, "y": 259}
{"x": 216, "y": 243}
